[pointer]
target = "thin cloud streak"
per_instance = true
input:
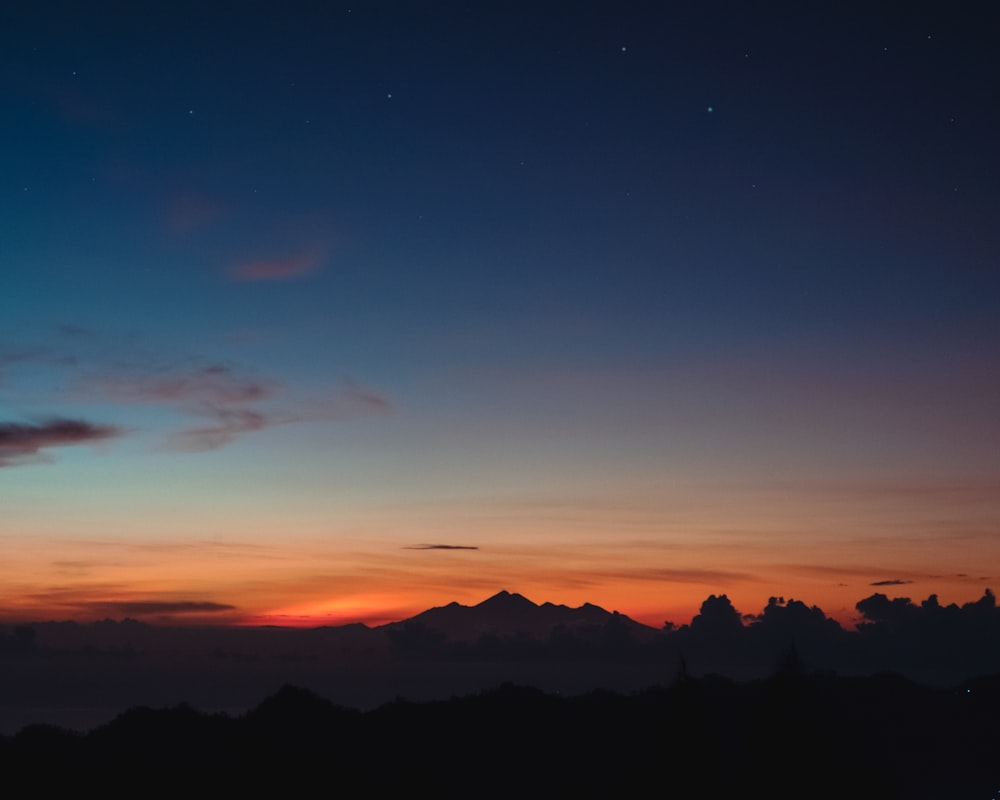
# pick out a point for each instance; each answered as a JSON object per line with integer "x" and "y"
{"x": 347, "y": 401}
{"x": 358, "y": 398}
{"x": 440, "y": 547}
{"x": 144, "y": 608}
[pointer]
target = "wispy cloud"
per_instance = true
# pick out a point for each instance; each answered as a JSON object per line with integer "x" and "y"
{"x": 894, "y": 582}
{"x": 230, "y": 424}
{"x": 145, "y": 608}
{"x": 679, "y": 575}
{"x": 96, "y": 600}
{"x": 278, "y": 269}
{"x": 228, "y": 398}
{"x": 232, "y": 417}
{"x": 223, "y": 401}
{"x": 347, "y": 401}
{"x": 31, "y": 356}
{"x": 440, "y": 547}
{"x": 213, "y": 384}
{"x": 21, "y": 443}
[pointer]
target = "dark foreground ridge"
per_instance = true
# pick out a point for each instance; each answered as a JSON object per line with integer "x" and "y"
{"x": 791, "y": 736}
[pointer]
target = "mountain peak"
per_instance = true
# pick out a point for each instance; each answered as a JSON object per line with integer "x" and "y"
{"x": 509, "y": 614}
{"x": 505, "y": 599}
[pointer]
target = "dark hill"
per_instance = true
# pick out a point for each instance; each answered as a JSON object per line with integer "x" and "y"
{"x": 819, "y": 737}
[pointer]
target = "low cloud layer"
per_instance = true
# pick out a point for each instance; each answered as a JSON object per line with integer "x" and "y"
{"x": 145, "y": 608}
{"x": 20, "y": 443}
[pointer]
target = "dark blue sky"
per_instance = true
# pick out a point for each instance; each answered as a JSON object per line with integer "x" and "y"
{"x": 425, "y": 270}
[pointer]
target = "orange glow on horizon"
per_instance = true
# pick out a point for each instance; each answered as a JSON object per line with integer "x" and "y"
{"x": 370, "y": 610}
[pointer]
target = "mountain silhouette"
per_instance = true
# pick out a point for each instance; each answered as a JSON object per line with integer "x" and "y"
{"x": 512, "y": 614}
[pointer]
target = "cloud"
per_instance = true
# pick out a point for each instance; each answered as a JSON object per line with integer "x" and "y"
{"x": 360, "y": 398}
{"x": 214, "y": 384}
{"x": 278, "y": 269}
{"x": 675, "y": 575}
{"x": 30, "y": 356}
{"x": 221, "y": 400}
{"x": 895, "y": 582}
{"x": 75, "y": 567}
{"x": 230, "y": 424}
{"x": 24, "y": 442}
{"x": 347, "y": 401}
{"x": 227, "y": 398}
{"x": 440, "y": 547}
{"x": 143, "y": 608}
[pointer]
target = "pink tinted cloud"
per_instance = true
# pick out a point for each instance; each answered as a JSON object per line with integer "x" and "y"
{"x": 278, "y": 269}
{"x": 20, "y": 443}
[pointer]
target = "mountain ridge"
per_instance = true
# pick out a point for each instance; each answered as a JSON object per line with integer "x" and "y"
{"x": 512, "y": 614}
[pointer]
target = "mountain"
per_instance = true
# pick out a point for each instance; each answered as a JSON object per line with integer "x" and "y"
{"x": 510, "y": 614}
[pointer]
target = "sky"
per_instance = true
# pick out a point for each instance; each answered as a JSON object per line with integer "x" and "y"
{"x": 315, "y": 313}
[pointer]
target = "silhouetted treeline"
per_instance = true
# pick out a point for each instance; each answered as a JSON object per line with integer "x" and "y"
{"x": 791, "y": 736}
{"x": 928, "y": 642}
{"x": 18, "y": 642}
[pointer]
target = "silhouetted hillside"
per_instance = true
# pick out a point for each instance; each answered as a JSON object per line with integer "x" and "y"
{"x": 790, "y": 736}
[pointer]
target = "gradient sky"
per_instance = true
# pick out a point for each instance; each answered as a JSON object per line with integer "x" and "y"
{"x": 322, "y": 312}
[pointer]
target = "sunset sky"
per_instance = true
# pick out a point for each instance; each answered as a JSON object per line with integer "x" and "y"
{"x": 315, "y": 312}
